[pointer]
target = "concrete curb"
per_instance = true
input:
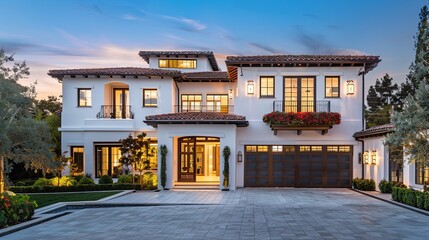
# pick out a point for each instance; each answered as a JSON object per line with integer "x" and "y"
{"x": 414, "y": 209}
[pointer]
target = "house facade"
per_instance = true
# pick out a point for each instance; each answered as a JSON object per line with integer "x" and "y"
{"x": 184, "y": 101}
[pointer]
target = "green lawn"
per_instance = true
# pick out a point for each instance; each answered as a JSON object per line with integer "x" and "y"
{"x": 44, "y": 199}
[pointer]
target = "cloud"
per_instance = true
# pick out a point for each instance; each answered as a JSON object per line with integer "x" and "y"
{"x": 18, "y": 46}
{"x": 266, "y": 48}
{"x": 186, "y": 24}
{"x": 132, "y": 17}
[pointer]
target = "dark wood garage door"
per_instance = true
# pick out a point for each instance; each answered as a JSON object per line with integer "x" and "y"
{"x": 298, "y": 166}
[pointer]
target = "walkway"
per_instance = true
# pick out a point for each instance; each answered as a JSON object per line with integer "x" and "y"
{"x": 251, "y": 213}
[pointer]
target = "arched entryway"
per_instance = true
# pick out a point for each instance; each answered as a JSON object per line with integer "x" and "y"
{"x": 199, "y": 159}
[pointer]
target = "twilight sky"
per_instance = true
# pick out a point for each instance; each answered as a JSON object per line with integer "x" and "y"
{"x": 52, "y": 34}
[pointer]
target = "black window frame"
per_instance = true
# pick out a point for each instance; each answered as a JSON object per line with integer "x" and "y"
{"x": 78, "y": 97}
{"x": 170, "y": 61}
{"x": 274, "y": 87}
{"x": 339, "y": 88}
{"x": 144, "y": 97}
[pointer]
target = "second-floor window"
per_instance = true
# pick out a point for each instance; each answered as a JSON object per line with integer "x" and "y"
{"x": 150, "y": 97}
{"x": 191, "y": 102}
{"x": 267, "y": 87}
{"x": 217, "y": 103}
{"x": 332, "y": 87}
{"x": 84, "y": 97}
{"x": 177, "y": 63}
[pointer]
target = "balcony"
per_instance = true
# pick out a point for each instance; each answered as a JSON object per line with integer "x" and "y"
{"x": 303, "y": 106}
{"x": 204, "y": 108}
{"x": 116, "y": 112}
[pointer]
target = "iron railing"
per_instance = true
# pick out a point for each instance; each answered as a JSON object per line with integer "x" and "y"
{"x": 301, "y": 106}
{"x": 116, "y": 112}
{"x": 204, "y": 108}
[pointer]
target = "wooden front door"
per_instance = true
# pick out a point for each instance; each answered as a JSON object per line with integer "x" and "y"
{"x": 187, "y": 163}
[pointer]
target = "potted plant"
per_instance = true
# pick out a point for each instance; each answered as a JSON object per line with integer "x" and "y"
{"x": 226, "y": 154}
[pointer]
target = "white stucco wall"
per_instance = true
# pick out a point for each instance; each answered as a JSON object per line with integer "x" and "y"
{"x": 380, "y": 170}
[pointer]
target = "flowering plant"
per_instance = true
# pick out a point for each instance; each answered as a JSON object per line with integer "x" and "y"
{"x": 15, "y": 208}
{"x": 304, "y": 119}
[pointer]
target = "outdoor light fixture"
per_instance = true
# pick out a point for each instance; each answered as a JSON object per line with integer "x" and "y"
{"x": 239, "y": 156}
{"x": 366, "y": 157}
{"x": 350, "y": 87}
{"x": 231, "y": 93}
{"x": 374, "y": 157}
{"x": 250, "y": 87}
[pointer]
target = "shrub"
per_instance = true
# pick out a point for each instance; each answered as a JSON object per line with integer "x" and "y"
{"x": 15, "y": 209}
{"x": 78, "y": 178}
{"x": 64, "y": 181}
{"x": 363, "y": 184}
{"x": 426, "y": 202}
{"x": 395, "y": 193}
{"x": 86, "y": 180}
{"x": 105, "y": 179}
{"x": 385, "y": 186}
{"x": 411, "y": 197}
{"x": 149, "y": 181}
{"x": 41, "y": 182}
{"x": 127, "y": 178}
{"x": 420, "y": 199}
{"x": 20, "y": 183}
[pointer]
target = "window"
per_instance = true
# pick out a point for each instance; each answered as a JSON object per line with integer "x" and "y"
{"x": 277, "y": 148}
{"x": 250, "y": 148}
{"x": 332, "y": 87}
{"x": 107, "y": 160}
{"x": 344, "y": 149}
{"x": 150, "y": 97}
{"x": 299, "y": 94}
{"x": 153, "y": 155}
{"x": 262, "y": 148}
{"x": 422, "y": 174}
{"x": 304, "y": 148}
{"x": 191, "y": 102}
{"x": 217, "y": 103}
{"x": 77, "y": 154}
{"x": 84, "y": 97}
{"x": 177, "y": 63}
{"x": 267, "y": 87}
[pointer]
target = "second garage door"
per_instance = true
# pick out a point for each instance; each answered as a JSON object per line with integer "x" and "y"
{"x": 298, "y": 166}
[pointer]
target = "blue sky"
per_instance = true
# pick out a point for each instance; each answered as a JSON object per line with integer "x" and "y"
{"x": 85, "y": 34}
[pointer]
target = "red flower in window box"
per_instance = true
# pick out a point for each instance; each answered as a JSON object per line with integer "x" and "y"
{"x": 302, "y": 119}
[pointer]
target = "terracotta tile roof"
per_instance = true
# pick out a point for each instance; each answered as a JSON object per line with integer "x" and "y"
{"x": 197, "y": 118}
{"x": 209, "y": 54}
{"x": 375, "y": 131}
{"x": 205, "y": 76}
{"x": 123, "y": 71}
{"x": 303, "y": 59}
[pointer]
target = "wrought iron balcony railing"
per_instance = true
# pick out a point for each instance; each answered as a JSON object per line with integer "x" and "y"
{"x": 116, "y": 112}
{"x": 301, "y": 106}
{"x": 204, "y": 108}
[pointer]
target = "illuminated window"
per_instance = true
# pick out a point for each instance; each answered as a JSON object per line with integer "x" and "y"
{"x": 267, "y": 86}
{"x": 316, "y": 148}
{"x": 217, "y": 103}
{"x": 250, "y": 148}
{"x": 304, "y": 148}
{"x": 153, "y": 155}
{"x": 150, "y": 97}
{"x": 84, "y": 97}
{"x": 344, "y": 149}
{"x": 262, "y": 148}
{"x": 332, "y": 87}
{"x": 332, "y": 148}
{"x": 192, "y": 102}
{"x": 289, "y": 148}
{"x": 277, "y": 148}
{"x": 77, "y": 154}
{"x": 177, "y": 63}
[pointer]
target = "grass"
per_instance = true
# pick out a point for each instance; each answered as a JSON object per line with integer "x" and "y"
{"x": 45, "y": 199}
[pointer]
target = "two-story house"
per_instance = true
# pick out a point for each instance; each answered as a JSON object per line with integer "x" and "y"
{"x": 185, "y": 102}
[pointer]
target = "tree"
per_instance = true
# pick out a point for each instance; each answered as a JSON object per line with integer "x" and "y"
{"x": 164, "y": 152}
{"x": 381, "y": 98}
{"x": 226, "y": 154}
{"x": 411, "y": 128}
{"x": 136, "y": 152}
{"x": 22, "y": 138}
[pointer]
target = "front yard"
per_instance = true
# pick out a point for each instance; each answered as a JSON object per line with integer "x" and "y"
{"x": 45, "y": 199}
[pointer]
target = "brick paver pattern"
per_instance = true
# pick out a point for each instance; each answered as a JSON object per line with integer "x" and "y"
{"x": 249, "y": 213}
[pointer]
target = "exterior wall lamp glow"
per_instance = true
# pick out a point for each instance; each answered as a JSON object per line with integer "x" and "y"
{"x": 374, "y": 157}
{"x": 231, "y": 93}
{"x": 250, "y": 87}
{"x": 366, "y": 157}
{"x": 239, "y": 156}
{"x": 350, "y": 87}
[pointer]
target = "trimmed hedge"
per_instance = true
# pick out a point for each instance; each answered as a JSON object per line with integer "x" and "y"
{"x": 363, "y": 184}
{"x": 15, "y": 209}
{"x": 86, "y": 180}
{"x": 105, "y": 179}
{"x": 411, "y": 197}
{"x": 78, "y": 188}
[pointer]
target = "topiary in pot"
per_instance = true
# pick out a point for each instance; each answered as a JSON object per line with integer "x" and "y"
{"x": 105, "y": 179}
{"x": 226, "y": 154}
{"x": 164, "y": 152}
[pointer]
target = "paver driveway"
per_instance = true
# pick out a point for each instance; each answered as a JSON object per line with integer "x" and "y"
{"x": 250, "y": 213}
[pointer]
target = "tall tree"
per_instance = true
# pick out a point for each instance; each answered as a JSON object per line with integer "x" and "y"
{"x": 22, "y": 138}
{"x": 411, "y": 128}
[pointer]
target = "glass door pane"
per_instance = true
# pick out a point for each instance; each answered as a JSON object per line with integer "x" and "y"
{"x": 307, "y": 95}
{"x": 121, "y": 99}
{"x": 291, "y": 95}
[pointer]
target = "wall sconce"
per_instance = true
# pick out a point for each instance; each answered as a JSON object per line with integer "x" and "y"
{"x": 374, "y": 157}
{"x": 231, "y": 93}
{"x": 239, "y": 156}
{"x": 250, "y": 87}
{"x": 350, "y": 87}
{"x": 366, "y": 157}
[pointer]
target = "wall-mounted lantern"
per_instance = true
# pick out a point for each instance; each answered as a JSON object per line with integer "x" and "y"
{"x": 350, "y": 87}
{"x": 366, "y": 157}
{"x": 231, "y": 93}
{"x": 250, "y": 87}
{"x": 374, "y": 157}
{"x": 239, "y": 156}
